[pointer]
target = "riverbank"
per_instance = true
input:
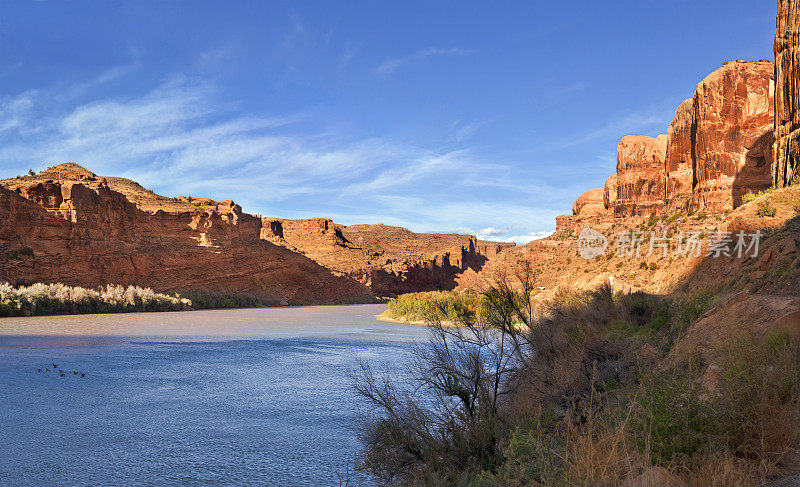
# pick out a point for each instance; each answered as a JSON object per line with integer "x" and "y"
{"x": 57, "y": 299}
{"x": 42, "y": 299}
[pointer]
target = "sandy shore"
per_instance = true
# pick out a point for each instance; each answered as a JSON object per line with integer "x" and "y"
{"x": 385, "y": 317}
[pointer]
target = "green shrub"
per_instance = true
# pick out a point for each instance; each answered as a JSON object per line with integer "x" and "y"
{"x": 672, "y": 423}
{"x": 766, "y": 209}
{"x": 748, "y": 197}
{"x": 202, "y": 299}
{"x": 434, "y": 305}
{"x": 688, "y": 310}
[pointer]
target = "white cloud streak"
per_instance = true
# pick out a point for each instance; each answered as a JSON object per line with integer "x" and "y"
{"x": 178, "y": 139}
{"x": 391, "y": 65}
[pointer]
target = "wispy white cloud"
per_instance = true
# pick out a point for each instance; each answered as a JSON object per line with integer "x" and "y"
{"x": 521, "y": 239}
{"x": 494, "y": 232}
{"x": 15, "y": 110}
{"x": 391, "y": 65}
{"x": 179, "y": 138}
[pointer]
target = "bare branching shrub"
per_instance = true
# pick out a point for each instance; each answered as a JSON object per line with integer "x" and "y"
{"x": 449, "y": 417}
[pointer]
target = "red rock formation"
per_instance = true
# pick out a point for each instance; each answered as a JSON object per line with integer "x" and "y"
{"x": 787, "y": 92}
{"x": 81, "y": 232}
{"x": 734, "y": 123}
{"x": 640, "y": 175}
{"x": 389, "y": 260}
{"x": 590, "y": 203}
{"x": 565, "y": 222}
{"x": 610, "y": 193}
{"x": 86, "y": 230}
{"x": 680, "y": 156}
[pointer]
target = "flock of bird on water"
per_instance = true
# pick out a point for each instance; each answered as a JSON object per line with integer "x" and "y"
{"x": 59, "y": 371}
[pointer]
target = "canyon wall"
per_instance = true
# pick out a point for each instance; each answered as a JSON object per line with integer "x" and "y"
{"x": 81, "y": 232}
{"x": 589, "y": 203}
{"x": 389, "y": 260}
{"x": 787, "y": 92}
{"x": 717, "y": 148}
{"x": 734, "y": 129}
{"x": 68, "y": 225}
{"x": 679, "y": 164}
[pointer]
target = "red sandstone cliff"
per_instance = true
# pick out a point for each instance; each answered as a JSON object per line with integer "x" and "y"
{"x": 787, "y": 92}
{"x": 86, "y": 230}
{"x": 734, "y": 133}
{"x": 680, "y": 156}
{"x": 717, "y": 148}
{"x": 589, "y": 203}
{"x": 80, "y": 231}
{"x": 640, "y": 175}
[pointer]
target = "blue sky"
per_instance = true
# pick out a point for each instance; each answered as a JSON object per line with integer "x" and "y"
{"x": 475, "y": 117}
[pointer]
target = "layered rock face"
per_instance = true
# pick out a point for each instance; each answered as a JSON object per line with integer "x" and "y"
{"x": 79, "y": 231}
{"x": 610, "y": 192}
{"x": 734, "y": 124}
{"x": 68, "y": 225}
{"x": 787, "y": 92}
{"x": 717, "y": 148}
{"x": 680, "y": 156}
{"x": 640, "y": 175}
{"x": 389, "y": 260}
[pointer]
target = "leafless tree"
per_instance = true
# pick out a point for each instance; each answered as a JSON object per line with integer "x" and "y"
{"x": 447, "y": 416}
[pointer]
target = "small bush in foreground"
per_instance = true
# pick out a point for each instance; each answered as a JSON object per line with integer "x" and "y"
{"x": 766, "y": 209}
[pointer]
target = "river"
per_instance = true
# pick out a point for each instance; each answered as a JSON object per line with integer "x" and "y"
{"x": 223, "y": 397}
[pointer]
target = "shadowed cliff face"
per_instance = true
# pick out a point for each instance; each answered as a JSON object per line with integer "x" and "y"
{"x": 787, "y": 92}
{"x": 389, "y": 260}
{"x": 75, "y": 227}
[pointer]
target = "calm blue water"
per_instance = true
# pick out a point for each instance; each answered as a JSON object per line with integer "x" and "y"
{"x": 241, "y": 397}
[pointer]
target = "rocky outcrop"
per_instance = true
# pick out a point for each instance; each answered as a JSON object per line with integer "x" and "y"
{"x": 640, "y": 175}
{"x": 69, "y": 225}
{"x": 590, "y": 203}
{"x": 680, "y": 156}
{"x": 734, "y": 123}
{"x": 787, "y": 92}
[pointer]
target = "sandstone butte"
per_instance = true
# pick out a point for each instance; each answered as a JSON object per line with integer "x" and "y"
{"x": 82, "y": 229}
